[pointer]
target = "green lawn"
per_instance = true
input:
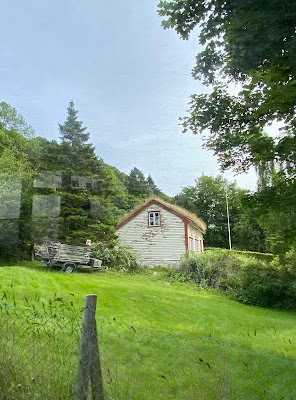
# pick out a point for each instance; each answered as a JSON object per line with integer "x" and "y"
{"x": 164, "y": 341}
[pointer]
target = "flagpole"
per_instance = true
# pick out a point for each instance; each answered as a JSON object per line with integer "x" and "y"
{"x": 228, "y": 222}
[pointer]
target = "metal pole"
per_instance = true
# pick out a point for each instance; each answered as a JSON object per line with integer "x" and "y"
{"x": 228, "y": 222}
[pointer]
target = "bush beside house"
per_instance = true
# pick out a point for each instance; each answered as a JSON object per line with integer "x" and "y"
{"x": 246, "y": 279}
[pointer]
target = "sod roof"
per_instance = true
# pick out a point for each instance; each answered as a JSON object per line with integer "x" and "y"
{"x": 180, "y": 211}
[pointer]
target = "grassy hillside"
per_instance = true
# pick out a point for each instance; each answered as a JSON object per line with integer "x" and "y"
{"x": 163, "y": 341}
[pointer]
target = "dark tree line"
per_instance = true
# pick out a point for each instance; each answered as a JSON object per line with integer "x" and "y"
{"x": 59, "y": 189}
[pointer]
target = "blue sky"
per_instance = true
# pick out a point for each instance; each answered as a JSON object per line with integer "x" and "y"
{"x": 129, "y": 79}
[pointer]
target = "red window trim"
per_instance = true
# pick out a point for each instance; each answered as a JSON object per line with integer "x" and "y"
{"x": 154, "y": 226}
{"x": 199, "y": 244}
{"x": 190, "y": 237}
{"x": 186, "y": 234}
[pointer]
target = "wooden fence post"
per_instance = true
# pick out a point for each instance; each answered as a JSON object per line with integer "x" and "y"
{"x": 89, "y": 367}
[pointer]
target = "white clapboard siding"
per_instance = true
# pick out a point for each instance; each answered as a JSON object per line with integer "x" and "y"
{"x": 195, "y": 233}
{"x": 159, "y": 245}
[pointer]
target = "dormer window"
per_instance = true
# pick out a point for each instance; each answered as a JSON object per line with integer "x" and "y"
{"x": 154, "y": 218}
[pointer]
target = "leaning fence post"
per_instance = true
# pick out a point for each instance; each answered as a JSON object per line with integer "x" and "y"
{"x": 89, "y": 367}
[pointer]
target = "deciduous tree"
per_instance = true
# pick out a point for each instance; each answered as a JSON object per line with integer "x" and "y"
{"x": 11, "y": 120}
{"x": 208, "y": 200}
{"x": 252, "y": 43}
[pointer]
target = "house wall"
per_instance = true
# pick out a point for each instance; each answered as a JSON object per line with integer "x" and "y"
{"x": 195, "y": 239}
{"x": 159, "y": 245}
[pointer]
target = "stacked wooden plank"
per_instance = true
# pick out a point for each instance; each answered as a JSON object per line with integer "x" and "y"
{"x": 73, "y": 253}
{"x": 64, "y": 252}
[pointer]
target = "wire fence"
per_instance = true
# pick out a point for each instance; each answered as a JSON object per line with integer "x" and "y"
{"x": 41, "y": 359}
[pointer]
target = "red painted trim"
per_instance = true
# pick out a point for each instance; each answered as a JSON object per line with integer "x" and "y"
{"x": 125, "y": 221}
{"x": 153, "y": 201}
{"x": 197, "y": 240}
{"x": 154, "y": 226}
{"x": 186, "y": 233}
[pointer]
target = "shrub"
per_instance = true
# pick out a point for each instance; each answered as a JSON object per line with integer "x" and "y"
{"x": 264, "y": 285}
{"x": 212, "y": 269}
{"x": 246, "y": 279}
{"x": 117, "y": 256}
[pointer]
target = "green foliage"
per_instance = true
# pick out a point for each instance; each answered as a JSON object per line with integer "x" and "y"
{"x": 236, "y": 132}
{"x": 246, "y": 279}
{"x": 266, "y": 257}
{"x": 211, "y": 269}
{"x": 57, "y": 190}
{"x": 117, "y": 256}
{"x": 265, "y": 285}
{"x": 11, "y": 120}
{"x": 137, "y": 184}
{"x": 152, "y": 185}
{"x": 275, "y": 209}
{"x": 208, "y": 200}
{"x": 16, "y": 176}
{"x": 72, "y": 130}
{"x": 240, "y": 46}
{"x": 14, "y": 152}
{"x": 236, "y": 37}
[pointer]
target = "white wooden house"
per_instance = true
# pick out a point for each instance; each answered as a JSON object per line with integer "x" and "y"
{"x": 161, "y": 232}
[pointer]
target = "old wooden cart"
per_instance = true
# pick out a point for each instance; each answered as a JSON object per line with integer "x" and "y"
{"x": 67, "y": 257}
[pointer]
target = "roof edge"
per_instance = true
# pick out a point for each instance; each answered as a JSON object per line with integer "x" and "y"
{"x": 167, "y": 207}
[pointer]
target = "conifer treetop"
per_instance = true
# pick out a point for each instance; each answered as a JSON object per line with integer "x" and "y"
{"x": 72, "y": 130}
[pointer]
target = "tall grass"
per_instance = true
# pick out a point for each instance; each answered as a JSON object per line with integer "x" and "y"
{"x": 39, "y": 352}
{"x": 157, "y": 340}
{"x": 41, "y": 358}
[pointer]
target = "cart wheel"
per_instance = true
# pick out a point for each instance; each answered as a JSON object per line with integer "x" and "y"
{"x": 69, "y": 268}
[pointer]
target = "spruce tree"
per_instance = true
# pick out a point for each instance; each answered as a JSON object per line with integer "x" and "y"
{"x": 152, "y": 185}
{"x": 85, "y": 183}
{"x": 78, "y": 156}
{"x": 72, "y": 131}
{"x": 137, "y": 184}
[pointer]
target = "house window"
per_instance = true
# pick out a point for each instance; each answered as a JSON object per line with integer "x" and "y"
{"x": 154, "y": 218}
{"x": 197, "y": 245}
{"x": 190, "y": 244}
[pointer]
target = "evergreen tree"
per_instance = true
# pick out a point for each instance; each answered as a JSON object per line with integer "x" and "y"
{"x": 152, "y": 185}
{"x": 72, "y": 131}
{"x": 78, "y": 156}
{"x": 85, "y": 181}
{"x": 137, "y": 184}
